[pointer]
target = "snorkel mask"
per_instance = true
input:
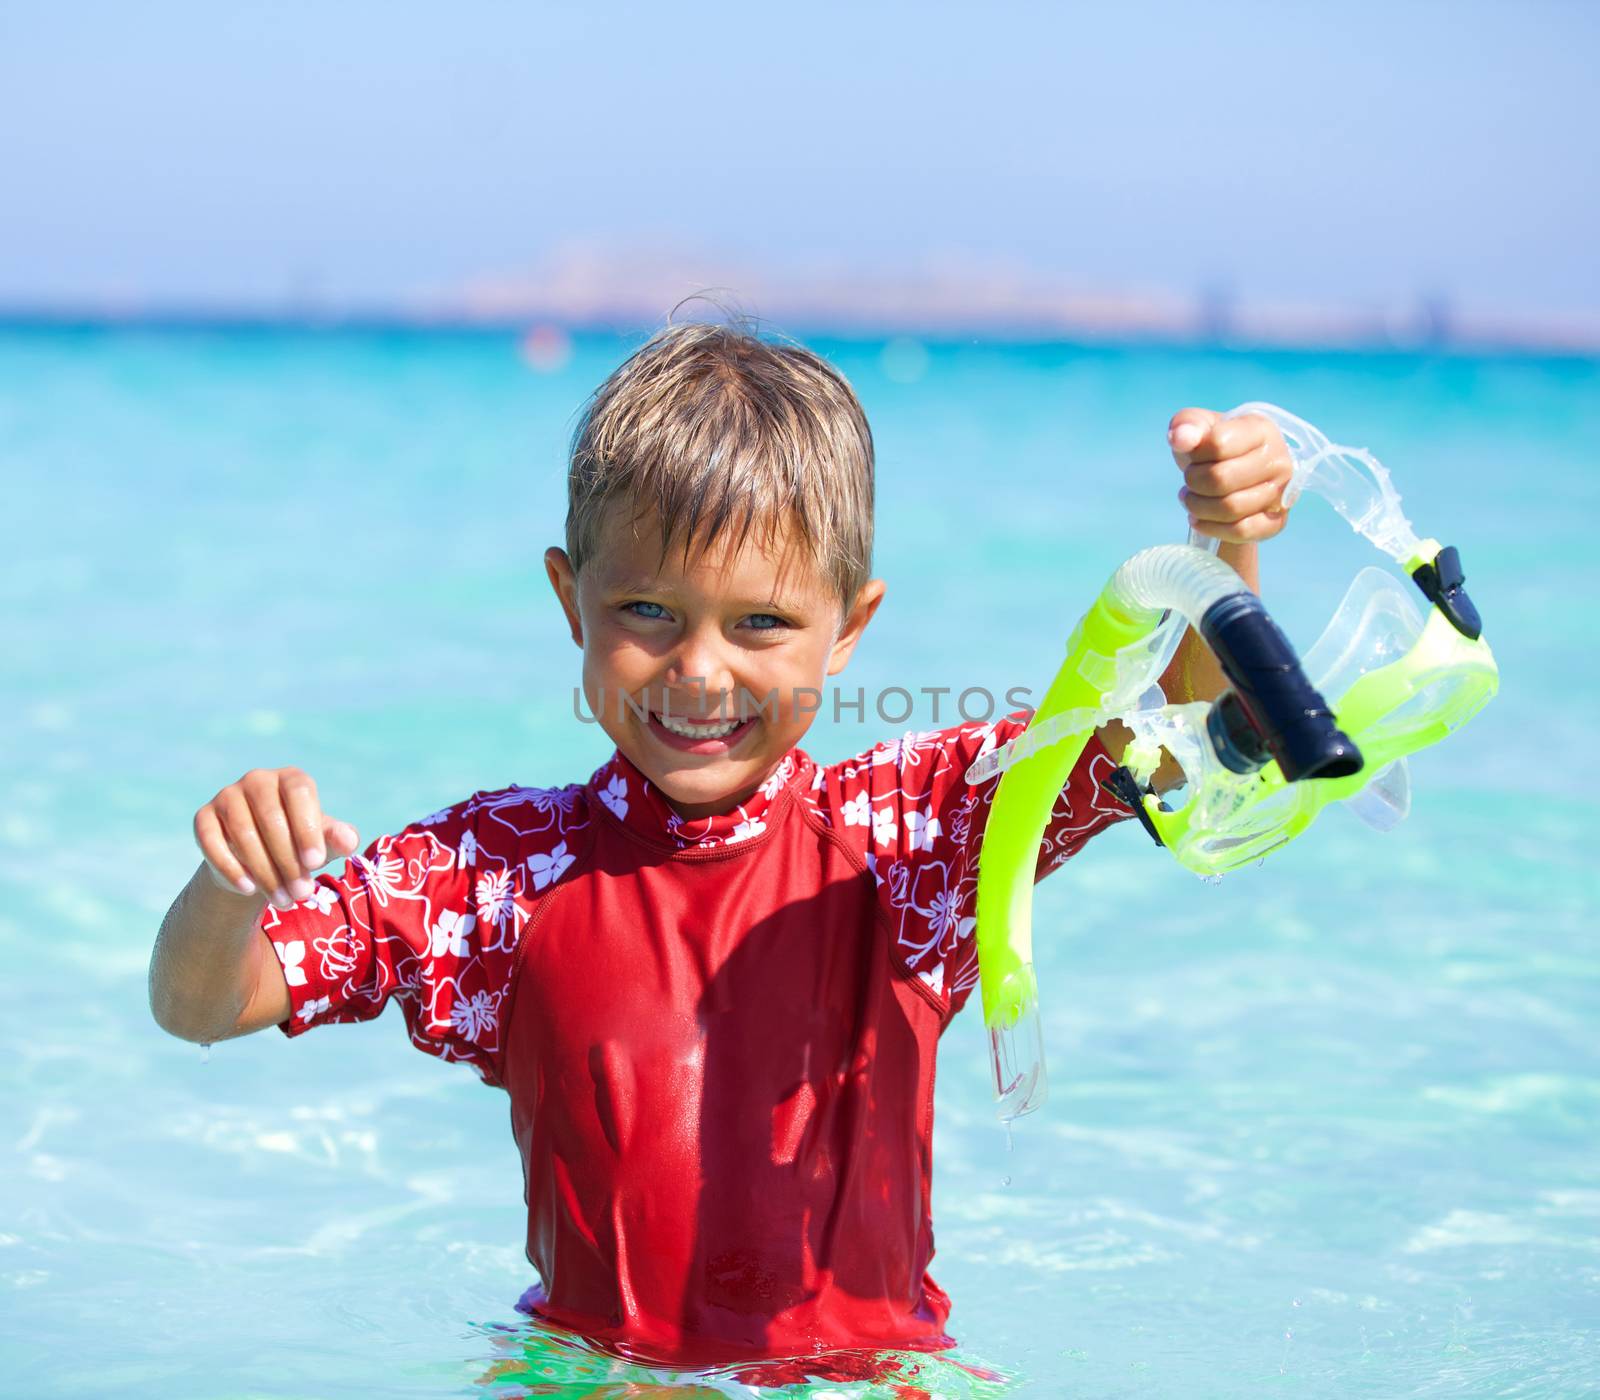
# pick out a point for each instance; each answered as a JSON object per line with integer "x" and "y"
{"x": 1262, "y": 760}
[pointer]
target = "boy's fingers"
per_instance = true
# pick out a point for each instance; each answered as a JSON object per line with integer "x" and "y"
{"x": 224, "y": 867}
{"x": 1238, "y": 473}
{"x": 1263, "y": 498}
{"x": 1251, "y": 530}
{"x": 304, "y": 813}
{"x": 265, "y": 796}
{"x": 1223, "y": 438}
{"x": 339, "y": 838}
{"x": 239, "y": 826}
{"x": 1187, "y": 429}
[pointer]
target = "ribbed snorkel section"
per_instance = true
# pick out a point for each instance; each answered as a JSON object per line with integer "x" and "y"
{"x": 1177, "y": 577}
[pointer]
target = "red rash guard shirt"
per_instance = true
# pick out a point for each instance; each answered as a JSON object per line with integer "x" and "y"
{"x": 718, "y": 1036}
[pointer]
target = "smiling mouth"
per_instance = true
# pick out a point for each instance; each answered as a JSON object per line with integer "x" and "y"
{"x": 687, "y": 736}
{"x": 698, "y": 729}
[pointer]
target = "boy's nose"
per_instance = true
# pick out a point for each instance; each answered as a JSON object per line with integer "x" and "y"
{"x": 699, "y": 681}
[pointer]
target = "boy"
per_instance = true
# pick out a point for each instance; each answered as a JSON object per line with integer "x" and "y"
{"x": 713, "y": 977}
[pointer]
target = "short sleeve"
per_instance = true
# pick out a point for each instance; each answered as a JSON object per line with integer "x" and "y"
{"x": 920, "y": 823}
{"x": 426, "y": 916}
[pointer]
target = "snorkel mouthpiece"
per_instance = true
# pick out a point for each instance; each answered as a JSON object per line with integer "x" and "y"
{"x": 1273, "y": 710}
{"x": 1235, "y": 740}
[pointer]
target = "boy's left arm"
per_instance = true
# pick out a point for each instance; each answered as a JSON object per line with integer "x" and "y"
{"x": 1234, "y": 471}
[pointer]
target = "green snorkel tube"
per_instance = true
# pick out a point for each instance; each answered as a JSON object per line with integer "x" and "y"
{"x": 1263, "y": 759}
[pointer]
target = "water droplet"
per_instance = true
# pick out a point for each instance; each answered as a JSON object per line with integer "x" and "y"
{"x": 1008, "y": 1135}
{"x": 205, "y": 1052}
{"x": 1005, "y": 1181}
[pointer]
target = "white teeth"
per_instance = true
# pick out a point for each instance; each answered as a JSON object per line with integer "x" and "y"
{"x": 697, "y": 731}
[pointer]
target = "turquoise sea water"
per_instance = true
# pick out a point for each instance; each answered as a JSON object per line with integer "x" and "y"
{"x": 1327, "y": 1129}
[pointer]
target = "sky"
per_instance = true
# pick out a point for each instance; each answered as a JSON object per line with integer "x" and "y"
{"x": 369, "y": 153}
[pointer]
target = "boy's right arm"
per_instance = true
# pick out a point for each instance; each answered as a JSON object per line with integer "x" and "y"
{"x": 213, "y": 973}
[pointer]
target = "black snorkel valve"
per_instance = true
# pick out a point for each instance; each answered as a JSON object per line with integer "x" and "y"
{"x": 1273, "y": 711}
{"x": 1441, "y": 584}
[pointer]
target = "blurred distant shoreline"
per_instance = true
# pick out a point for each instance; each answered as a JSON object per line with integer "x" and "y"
{"x": 1515, "y": 340}
{"x": 586, "y": 289}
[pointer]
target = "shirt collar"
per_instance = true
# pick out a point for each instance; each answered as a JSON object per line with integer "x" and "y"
{"x": 641, "y": 807}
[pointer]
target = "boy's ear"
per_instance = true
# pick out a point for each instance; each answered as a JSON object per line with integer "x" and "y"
{"x": 855, "y": 624}
{"x": 564, "y": 579}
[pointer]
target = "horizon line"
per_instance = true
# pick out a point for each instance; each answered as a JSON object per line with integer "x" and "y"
{"x": 1253, "y": 332}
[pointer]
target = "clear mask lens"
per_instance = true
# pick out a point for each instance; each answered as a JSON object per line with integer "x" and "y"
{"x": 1376, "y": 623}
{"x": 1385, "y": 802}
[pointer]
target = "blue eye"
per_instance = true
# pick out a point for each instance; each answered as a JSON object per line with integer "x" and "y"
{"x": 766, "y": 622}
{"x": 659, "y": 612}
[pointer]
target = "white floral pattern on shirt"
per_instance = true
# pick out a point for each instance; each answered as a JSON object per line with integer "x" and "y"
{"x": 615, "y": 795}
{"x": 650, "y": 815}
{"x": 430, "y": 916}
{"x": 927, "y": 827}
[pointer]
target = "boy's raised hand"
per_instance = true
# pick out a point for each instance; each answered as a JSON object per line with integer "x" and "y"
{"x": 268, "y": 833}
{"x": 1234, "y": 472}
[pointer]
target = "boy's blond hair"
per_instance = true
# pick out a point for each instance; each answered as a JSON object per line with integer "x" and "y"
{"x": 714, "y": 428}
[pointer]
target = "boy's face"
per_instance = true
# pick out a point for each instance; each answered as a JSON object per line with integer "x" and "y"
{"x": 757, "y": 625}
